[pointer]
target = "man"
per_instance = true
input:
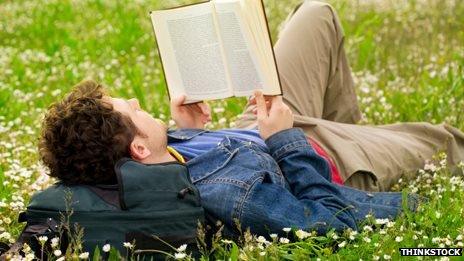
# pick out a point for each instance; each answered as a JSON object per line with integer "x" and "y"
{"x": 267, "y": 178}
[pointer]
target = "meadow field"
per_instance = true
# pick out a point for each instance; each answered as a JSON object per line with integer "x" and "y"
{"x": 408, "y": 63}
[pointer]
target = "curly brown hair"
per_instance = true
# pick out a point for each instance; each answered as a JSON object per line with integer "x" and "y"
{"x": 83, "y": 137}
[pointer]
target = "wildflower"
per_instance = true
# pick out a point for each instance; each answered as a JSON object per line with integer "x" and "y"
{"x": 460, "y": 244}
{"x": 353, "y": 234}
{"x": 218, "y": 110}
{"x": 430, "y": 166}
{"x": 414, "y": 237}
{"x": 261, "y": 239}
{"x": 54, "y": 242}
{"x": 448, "y": 242}
{"x": 26, "y": 248}
{"x": 376, "y": 258}
{"x": 459, "y": 237}
{"x": 106, "y": 248}
{"x": 127, "y": 245}
{"x": 225, "y": 241}
{"x": 273, "y": 236}
{"x": 222, "y": 121}
{"x": 386, "y": 257}
{"x": 180, "y": 255}
{"x": 301, "y": 234}
{"x": 342, "y": 244}
{"x": 60, "y": 259}
{"x": 262, "y": 253}
{"x": 56, "y": 92}
{"x": 398, "y": 239}
{"x": 182, "y": 248}
{"x": 461, "y": 164}
{"x": 43, "y": 239}
{"x": 367, "y": 240}
{"x": 286, "y": 229}
{"x": 84, "y": 255}
{"x": 381, "y": 221}
{"x": 28, "y": 257}
{"x": 390, "y": 224}
{"x": 437, "y": 214}
{"x": 284, "y": 240}
{"x": 443, "y": 163}
{"x": 367, "y": 228}
{"x": 57, "y": 252}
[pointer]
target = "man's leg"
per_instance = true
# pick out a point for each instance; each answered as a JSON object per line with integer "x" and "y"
{"x": 374, "y": 157}
{"x": 315, "y": 75}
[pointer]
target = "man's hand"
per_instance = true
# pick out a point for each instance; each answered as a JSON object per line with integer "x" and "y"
{"x": 194, "y": 115}
{"x": 273, "y": 115}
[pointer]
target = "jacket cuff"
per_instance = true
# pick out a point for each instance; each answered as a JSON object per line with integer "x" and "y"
{"x": 283, "y": 141}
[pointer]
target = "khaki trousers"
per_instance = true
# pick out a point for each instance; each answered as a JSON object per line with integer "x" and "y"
{"x": 318, "y": 87}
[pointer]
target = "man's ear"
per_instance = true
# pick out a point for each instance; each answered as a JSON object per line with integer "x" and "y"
{"x": 138, "y": 150}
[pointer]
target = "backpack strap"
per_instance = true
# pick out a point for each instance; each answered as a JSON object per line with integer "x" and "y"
{"x": 6, "y": 250}
{"x": 108, "y": 193}
{"x": 29, "y": 235}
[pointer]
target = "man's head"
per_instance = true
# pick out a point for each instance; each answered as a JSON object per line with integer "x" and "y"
{"x": 86, "y": 133}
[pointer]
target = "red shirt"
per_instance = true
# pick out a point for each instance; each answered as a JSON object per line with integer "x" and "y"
{"x": 336, "y": 178}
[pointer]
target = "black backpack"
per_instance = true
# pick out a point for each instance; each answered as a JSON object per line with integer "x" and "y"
{"x": 154, "y": 205}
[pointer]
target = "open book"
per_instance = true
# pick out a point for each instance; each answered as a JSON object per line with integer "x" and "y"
{"x": 216, "y": 49}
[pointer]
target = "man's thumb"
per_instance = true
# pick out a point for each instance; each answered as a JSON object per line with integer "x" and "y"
{"x": 179, "y": 100}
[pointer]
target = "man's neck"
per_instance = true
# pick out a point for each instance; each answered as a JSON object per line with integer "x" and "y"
{"x": 153, "y": 159}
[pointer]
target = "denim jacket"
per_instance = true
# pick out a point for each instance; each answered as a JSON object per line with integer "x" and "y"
{"x": 285, "y": 185}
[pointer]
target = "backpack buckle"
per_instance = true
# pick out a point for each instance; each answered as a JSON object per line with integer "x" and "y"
{"x": 185, "y": 191}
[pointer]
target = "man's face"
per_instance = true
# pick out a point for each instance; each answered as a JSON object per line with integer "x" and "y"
{"x": 154, "y": 130}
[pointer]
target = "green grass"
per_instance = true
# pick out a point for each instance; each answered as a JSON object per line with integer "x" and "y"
{"x": 407, "y": 58}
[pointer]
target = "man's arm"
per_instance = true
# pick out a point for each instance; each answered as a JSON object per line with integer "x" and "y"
{"x": 269, "y": 207}
{"x": 313, "y": 202}
{"x": 300, "y": 163}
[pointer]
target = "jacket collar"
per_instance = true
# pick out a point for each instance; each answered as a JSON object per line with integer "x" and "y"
{"x": 183, "y": 134}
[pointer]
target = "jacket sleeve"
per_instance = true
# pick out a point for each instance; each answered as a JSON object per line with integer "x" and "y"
{"x": 312, "y": 202}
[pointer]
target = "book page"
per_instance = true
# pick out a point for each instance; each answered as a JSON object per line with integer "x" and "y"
{"x": 244, "y": 74}
{"x": 254, "y": 17}
{"x": 191, "y": 52}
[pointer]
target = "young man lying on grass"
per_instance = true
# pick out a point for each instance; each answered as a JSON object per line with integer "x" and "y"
{"x": 267, "y": 174}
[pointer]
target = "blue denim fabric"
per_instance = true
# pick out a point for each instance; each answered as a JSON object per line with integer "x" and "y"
{"x": 286, "y": 184}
